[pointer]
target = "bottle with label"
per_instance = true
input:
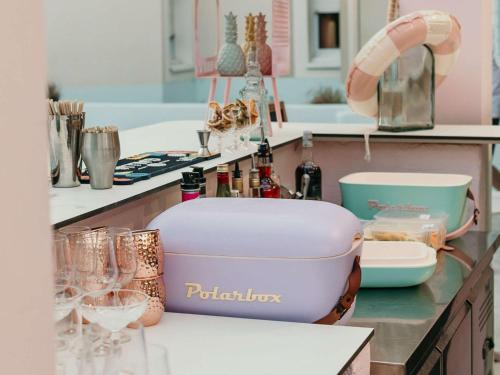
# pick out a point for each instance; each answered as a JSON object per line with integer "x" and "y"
{"x": 202, "y": 180}
{"x": 190, "y": 189}
{"x": 254, "y": 184}
{"x": 223, "y": 188}
{"x": 237, "y": 181}
{"x": 308, "y": 174}
{"x": 268, "y": 187}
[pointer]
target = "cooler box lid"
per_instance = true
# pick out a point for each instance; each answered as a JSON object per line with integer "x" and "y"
{"x": 261, "y": 228}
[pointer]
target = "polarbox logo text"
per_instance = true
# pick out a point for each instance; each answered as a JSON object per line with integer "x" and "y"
{"x": 195, "y": 290}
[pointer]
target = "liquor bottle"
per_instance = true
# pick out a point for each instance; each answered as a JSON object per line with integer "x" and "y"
{"x": 254, "y": 184}
{"x": 202, "y": 180}
{"x": 308, "y": 174}
{"x": 190, "y": 189}
{"x": 268, "y": 187}
{"x": 237, "y": 180}
{"x": 223, "y": 188}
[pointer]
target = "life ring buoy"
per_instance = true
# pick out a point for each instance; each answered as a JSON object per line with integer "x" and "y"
{"x": 438, "y": 30}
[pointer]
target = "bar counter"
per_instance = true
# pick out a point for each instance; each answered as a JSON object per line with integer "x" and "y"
{"x": 212, "y": 345}
{"x": 414, "y": 326}
{"x": 339, "y": 150}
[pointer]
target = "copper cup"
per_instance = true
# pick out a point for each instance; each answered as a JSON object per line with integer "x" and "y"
{"x": 154, "y": 287}
{"x": 149, "y": 253}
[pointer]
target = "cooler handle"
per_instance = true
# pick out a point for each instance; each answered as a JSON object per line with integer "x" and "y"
{"x": 469, "y": 223}
{"x": 345, "y": 302}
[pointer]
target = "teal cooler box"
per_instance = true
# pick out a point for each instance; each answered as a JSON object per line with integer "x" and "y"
{"x": 365, "y": 194}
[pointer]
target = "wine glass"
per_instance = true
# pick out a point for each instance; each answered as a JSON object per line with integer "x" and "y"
{"x": 113, "y": 312}
{"x": 126, "y": 255}
{"x": 63, "y": 264}
{"x": 67, "y": 324}
{"x": 73, "y": 232}
{"x": 157, "y": 359}
{"x": 126, "y": 359}
{"x": 220, "y": 121}
{"x": 95, "y": 264}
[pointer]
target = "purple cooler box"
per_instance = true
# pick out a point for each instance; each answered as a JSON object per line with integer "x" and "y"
{"x": 270, "y": 259}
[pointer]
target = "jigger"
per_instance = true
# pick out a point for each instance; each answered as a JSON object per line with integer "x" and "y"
{"x": 100, "y": 153}
{"x": 204, "y": 136}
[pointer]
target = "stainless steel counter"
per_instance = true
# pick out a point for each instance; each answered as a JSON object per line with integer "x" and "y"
{"x": 410, "y": 323}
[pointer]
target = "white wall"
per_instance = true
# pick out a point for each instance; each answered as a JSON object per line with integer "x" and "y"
{"x": 26, "y": 315}
{"x": 111, "y": 42}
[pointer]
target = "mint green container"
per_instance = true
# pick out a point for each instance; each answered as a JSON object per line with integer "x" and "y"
{"x": 365, "y": 194}
{"x": 396, "y": 264}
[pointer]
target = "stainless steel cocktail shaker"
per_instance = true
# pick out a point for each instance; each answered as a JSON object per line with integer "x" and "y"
{"x": 100, "y": 153}
{"x": 64, "y": 142}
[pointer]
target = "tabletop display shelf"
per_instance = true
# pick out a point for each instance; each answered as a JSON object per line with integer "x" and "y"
{"x": 209, "y": 34}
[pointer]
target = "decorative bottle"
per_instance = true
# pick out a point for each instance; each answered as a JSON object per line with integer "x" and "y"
{"x": 231, "y": 59}
{"x": 264, "y": 52}
{"x": 308, "y": 174}
{"x": 249, "y": 34}
{"x": 223, "y": 188}
{"x": 254, "y": 89}
{"x": 268, "y": 187}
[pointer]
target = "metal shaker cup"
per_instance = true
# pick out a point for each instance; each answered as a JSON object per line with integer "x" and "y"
{"x": 100, "y": 153}
{"x": 64, "y": 143}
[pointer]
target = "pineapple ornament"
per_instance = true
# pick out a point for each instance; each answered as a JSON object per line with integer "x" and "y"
{"x": 249, "y": 34}
{"x": 231, "y": 59}
{"x": 264, "y": 52}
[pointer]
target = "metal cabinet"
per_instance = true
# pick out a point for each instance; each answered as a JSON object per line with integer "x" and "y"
{"x": 465, "y": 346}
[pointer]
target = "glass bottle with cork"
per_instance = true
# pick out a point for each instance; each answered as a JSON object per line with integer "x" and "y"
{"x": 237, "y": 180}
{"x": 223, "y": 188}
{"x": 202, "y": 180}
{"x": 308, "y": 174}
{"x": 268, "y": 187}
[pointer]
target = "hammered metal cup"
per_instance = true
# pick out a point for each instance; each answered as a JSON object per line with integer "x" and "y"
{"x": 149, "y": 253}
{"x": 155, "y": 289}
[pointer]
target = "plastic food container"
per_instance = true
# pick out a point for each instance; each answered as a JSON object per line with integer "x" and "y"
{"x": 384, "y": 231}
{"x": 392, "y": 264}
{"x": 398, "y": 225}
{"x": 365, "y": 194}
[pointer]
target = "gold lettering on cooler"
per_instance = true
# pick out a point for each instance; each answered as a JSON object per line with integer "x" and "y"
{"x": 196, "y": 290}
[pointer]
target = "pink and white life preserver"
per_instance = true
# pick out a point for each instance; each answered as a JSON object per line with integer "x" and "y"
{"x": 438, "y": 30}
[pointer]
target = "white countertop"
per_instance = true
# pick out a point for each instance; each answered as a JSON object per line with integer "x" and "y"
{"x": 209, "y": 345}
{"x": 74, "y": 204}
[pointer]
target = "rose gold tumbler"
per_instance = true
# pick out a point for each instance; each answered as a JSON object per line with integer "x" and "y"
{"x": 155, "y": 289}
{"x": 149, "y": 275}
{"x": 149, "y": 253}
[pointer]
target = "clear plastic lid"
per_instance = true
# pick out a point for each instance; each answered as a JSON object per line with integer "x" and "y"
{"x": 408, "y": 226}
{"x": 406, "y": 215}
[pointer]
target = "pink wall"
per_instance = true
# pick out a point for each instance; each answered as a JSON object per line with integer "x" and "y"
{"x": 465, "y": 96}
{"x": 25, "y": 277}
